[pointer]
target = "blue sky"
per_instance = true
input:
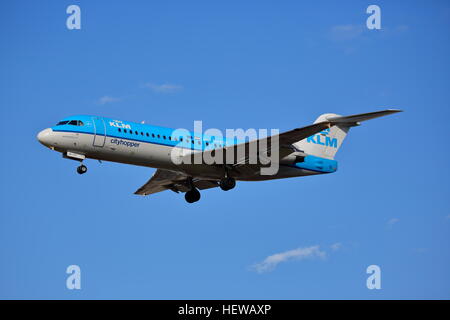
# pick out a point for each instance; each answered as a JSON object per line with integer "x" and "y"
{"x": 231, "y": 64}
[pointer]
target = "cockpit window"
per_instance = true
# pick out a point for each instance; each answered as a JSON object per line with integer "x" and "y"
{"x": 71, "y": 123}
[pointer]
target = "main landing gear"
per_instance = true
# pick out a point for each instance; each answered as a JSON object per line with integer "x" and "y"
{"x": 192, "y": 195}
{"x": 227, "y": 183}
{"x": 82, "y": 169}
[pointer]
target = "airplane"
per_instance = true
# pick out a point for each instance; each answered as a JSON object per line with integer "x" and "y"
{"x": 305, "y": 151}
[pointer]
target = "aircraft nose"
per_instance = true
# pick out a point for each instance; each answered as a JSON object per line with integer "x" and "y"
{"x": 44, "y": 136}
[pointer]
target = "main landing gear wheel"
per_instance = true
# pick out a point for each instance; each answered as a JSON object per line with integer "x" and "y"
{"x": 227, "y": 183}
{"x": 82, "y": 169}
{"x": 192, "y": 196}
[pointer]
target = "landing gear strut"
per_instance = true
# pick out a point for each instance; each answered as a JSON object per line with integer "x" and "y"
{"x": 227, "y": 183}
{"x": 192, "y": 195}
{"x": 82, "y": 169}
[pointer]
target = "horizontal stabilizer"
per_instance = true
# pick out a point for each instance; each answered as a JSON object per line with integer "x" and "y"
{"x": 326, "y": 143}
{"x": 354, "y": 119}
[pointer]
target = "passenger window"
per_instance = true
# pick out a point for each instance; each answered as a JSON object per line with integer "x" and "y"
{"x": 125, "y": 130}
{"x": 142, "y": 133}
{"x": 159, "y": 136}
{"x": 120, "y": 130}
{"x": 181, "y": 139}
{"x": 136, "y": 132}
{"x": 146, "y": 134}
{"x": 164, "y": 137}
{"x": 153, "y": 135}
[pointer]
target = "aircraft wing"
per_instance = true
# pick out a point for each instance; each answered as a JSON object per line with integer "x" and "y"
{"x": 178, "y": 182}
{"x": 286, "y": 139}
{"x": 170, "y": 180}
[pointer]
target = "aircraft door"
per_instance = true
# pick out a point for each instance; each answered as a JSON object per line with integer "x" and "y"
{"x": 99, "y": 132}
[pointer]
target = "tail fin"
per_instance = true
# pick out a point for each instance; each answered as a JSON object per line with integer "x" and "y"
{"x": 326, "y": 143}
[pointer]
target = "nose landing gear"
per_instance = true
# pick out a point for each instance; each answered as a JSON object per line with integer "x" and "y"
{"x": 82, "y": 169}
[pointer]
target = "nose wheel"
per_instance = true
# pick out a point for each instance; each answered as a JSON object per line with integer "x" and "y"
{"x": 82, "y": 169}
